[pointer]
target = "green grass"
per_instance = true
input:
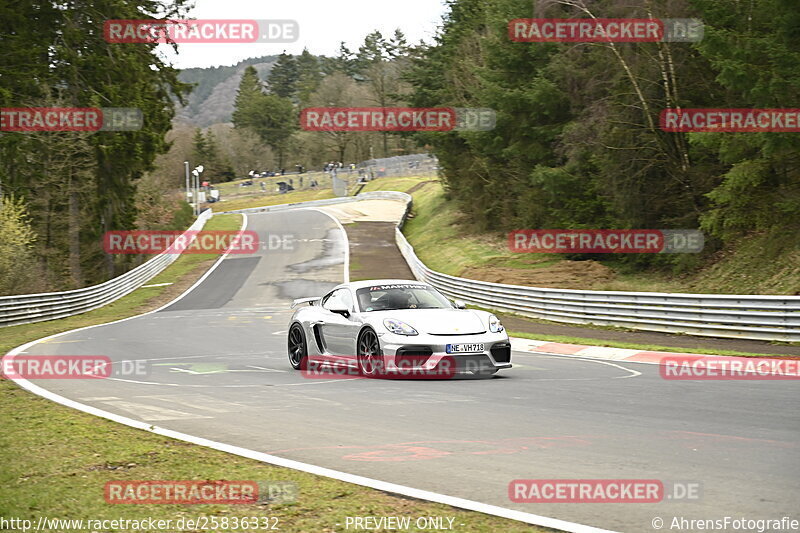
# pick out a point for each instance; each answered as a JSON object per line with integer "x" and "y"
{"x": 355, "y": 268}
{"x": 230, "y": 189}
{"x": 274, "y": 199}
{"x": 441, "y": 242}
{"x": 402, "y": 184}
{"x": 765, "y": 263}
{"x": 761, "y": 263}
{"x": 56, "y": 461}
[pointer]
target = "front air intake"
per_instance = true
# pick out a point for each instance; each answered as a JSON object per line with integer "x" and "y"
{"x": 501, "y": 352}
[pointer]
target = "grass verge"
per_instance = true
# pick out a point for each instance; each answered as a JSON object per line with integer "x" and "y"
{"x": 445, "y": 245}
{"x": 760, "y": 263}
{"x": 262, "y": 200}
{"x": 56, "y": 461}
{"x": 403, "y": 184}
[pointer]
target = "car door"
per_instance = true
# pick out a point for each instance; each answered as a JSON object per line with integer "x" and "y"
{"x": 337, "y": 330}
{"x": 345, "y": 329}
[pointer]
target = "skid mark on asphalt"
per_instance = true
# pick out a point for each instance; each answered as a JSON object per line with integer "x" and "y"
{"x": 98, "y": 398}
{"x": 694, "y": 439}
{"x": 198, "y": 401}
{"x": 202, "y": 369}
{"x": 151, "y": 413}
{"x": 437, "y": 449}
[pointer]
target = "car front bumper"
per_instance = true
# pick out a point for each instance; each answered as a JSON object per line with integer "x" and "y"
{"x": 427, "y": 352}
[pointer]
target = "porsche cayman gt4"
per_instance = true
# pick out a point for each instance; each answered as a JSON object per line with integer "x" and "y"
{"x": 395, "y": 328}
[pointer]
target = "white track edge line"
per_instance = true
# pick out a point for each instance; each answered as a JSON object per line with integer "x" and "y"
{"x": 469, "y": 505}
{"x": 461, "y": 503}
{"x": 344, "y": 237}
{"x": 213, "y": 267}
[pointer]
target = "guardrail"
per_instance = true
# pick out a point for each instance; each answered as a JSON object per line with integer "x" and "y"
{"x": 29, "y": 308}
{"x": 771, "y": 318}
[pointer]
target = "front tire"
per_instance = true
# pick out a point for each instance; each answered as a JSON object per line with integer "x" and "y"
{"x": 370, "y": 356}
{"x": 297, "y": 348}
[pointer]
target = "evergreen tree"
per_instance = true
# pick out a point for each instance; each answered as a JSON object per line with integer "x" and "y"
{"x": 309, "y": 76}
{"x": 284, "y": 76}
{"x": 250, "y": 89}
{"x": 216, "y": 168}
{"x": 56, "y": 52}
{"x": 345, "y": 62}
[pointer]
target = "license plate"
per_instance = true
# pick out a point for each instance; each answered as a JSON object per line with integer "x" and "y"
{"x": 464, "y": 348}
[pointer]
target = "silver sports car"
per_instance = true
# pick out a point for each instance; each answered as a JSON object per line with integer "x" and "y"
{"x": 398, "y": 328}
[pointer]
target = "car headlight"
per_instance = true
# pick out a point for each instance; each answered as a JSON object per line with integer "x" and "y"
{"x": 494, "y": 324}
{"x": 399, "y": 328}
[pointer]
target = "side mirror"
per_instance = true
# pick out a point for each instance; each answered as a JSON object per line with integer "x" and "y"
{"x": 460, "y": 304}
{"x": 341, "y": 311}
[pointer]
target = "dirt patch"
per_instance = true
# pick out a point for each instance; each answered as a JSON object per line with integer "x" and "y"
{"x": 420, "y": 185}
{"x": 562, "y": 275}
{"x": 373, "y": 252}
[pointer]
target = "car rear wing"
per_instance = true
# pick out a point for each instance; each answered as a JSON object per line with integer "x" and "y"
{"x": 301, "y": 301}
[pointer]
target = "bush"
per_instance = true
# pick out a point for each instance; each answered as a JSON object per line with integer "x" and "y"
{"x": 18, "y": 266}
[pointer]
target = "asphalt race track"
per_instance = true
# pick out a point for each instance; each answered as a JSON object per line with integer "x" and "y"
{"x": 218, "y": 370}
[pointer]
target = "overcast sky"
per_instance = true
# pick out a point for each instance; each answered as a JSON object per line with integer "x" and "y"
{"x": 323, "y": 25}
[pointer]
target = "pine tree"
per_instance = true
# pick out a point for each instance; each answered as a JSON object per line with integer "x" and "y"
{"x": 309, "y": 76}
{"x": 250, "y": 89}
{"x": 216, "y": 167}
{"x": 284, "y": 76}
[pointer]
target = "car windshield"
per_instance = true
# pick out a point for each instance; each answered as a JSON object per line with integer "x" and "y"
{"x": 400, "y": 296}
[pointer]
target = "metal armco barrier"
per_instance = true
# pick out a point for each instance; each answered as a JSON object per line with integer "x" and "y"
{"x": 771, "y": 318}
{"x": 28, "y": 308}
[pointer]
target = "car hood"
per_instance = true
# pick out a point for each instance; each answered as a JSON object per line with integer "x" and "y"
{"x": 437, "y": 321}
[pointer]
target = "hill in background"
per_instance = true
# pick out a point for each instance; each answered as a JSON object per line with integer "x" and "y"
{"x": 211, "y": 101}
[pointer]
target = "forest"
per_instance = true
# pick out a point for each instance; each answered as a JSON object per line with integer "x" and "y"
{"x": 577, "y": 141}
